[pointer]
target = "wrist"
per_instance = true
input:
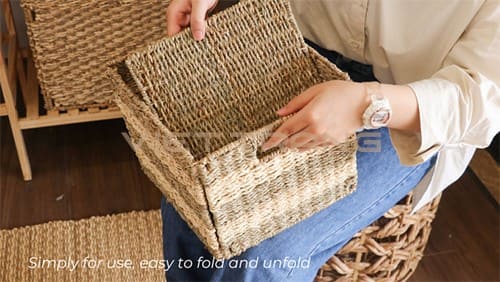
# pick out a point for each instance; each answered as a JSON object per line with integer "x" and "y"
{"x": 378, "y": 111}
{"x": 362, "y": 102}
{"x": 405, "y": 107}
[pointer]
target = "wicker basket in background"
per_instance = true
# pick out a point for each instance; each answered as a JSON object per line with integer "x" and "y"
{"x": 176, "y": 91}
{"x": 387, "y": 250}
{"x": 74, "y": 41}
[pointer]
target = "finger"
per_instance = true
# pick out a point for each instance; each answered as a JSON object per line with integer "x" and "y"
{"x": 299, "y": 102}
{"x": 299, "y": 139}
{"x": 310, "y": 145}
{"x": 177, "y": 13}
{"x": 328, "y": 141}
{"x": 287, "y": 129}
{"x": 198, "y": 15}
{"x": 327, "y": 144}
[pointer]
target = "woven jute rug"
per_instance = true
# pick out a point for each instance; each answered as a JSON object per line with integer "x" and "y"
{"x": 122, "y": 247}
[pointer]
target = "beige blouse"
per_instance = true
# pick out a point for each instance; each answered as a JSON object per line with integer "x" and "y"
{"x": 447, "y": 51}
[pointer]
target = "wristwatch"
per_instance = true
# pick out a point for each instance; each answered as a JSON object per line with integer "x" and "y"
{"x": 379, "y": 112}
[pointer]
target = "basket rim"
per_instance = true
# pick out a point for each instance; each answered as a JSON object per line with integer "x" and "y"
{"x": 187, "y": 31}
{"x": 242, "y": 140}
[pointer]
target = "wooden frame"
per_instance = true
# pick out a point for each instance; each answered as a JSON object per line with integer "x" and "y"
{"x": 16, "y": 66}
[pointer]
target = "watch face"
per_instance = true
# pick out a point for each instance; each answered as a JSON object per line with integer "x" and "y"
{"x": 380, "y": 118}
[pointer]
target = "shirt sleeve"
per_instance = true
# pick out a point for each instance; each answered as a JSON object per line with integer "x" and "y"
{"x": 460, "y": 104}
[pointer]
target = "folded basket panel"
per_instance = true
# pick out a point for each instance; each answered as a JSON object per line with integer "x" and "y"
{"x": 198, "y": 113}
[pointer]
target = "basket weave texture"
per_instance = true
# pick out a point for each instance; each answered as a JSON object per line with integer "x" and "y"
{"x": 198, "y": 112}
{"x": 74, "y": 41}
{"x": 387, "y": 250}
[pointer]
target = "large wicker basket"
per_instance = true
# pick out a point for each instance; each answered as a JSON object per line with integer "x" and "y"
{"x": 73, "y": 42}
{"x": 197, "y": 113}
{"x": 387, "y": 250}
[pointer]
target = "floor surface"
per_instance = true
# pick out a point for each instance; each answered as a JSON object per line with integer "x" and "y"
{"x": 88, "y": 169}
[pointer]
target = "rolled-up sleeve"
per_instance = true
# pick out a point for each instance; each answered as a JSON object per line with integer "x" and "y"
{"x": 460, "y": 104}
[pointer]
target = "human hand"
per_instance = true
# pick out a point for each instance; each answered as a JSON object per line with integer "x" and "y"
{"x": 184, "y": 13}
{"x": 326, "y": 114}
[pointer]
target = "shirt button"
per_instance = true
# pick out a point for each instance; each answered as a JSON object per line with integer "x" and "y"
{"x": 355, "y": 45}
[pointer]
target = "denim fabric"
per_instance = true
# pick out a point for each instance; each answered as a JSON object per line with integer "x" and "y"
{"x": 297, "y": 253}
{"x": 382, "y": 182}
{"x": 357, "y": 71}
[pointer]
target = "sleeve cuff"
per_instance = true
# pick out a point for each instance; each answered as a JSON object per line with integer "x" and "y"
{"x": 409, "y": 148}
{"x": 415, "y": 148}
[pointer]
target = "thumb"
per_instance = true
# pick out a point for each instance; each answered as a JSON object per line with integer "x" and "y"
{"x": 298, "y": 102}
{"x": 198, "y": 14}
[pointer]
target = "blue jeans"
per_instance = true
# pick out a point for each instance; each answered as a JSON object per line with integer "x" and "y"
{"x": 297, "y": 253}
{"x": 302, "y": 249}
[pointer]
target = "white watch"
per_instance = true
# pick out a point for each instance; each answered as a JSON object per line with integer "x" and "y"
{"x": 379, "y": 112}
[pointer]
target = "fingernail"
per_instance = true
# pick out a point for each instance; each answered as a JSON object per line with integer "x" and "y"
{"x": 198, "y": 35}
{"x": 281, "y": 111}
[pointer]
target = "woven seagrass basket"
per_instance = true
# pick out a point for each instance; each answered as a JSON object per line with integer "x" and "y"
{"x": 74, "y": 41}
{"x": 198, "y": 112}
{"x": 387, "y": 250}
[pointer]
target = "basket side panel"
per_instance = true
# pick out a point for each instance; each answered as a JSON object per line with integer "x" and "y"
{"x": 274, "y": 194}
{"x": 218, "y": 85}
{"x": 252, "y": 198}
{"x": 196, "y": 216}
{"x": 179, "y": 187}
{"x": 73, "y": 42}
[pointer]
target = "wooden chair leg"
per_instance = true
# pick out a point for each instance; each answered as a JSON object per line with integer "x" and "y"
{"x": 14, "y": 119}
{"x": 8, "y": 81}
